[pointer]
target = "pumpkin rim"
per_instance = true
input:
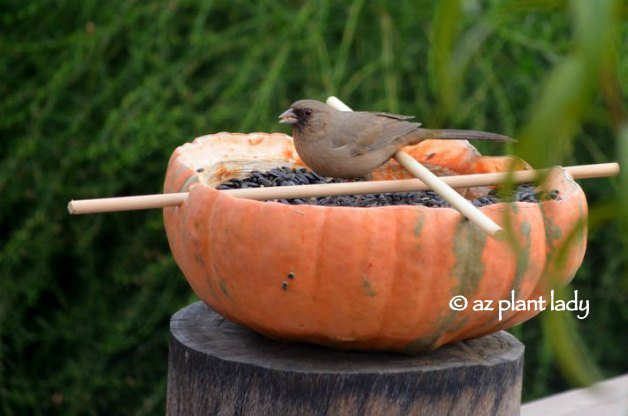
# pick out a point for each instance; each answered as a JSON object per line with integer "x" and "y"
{"x": 196, "y": 178}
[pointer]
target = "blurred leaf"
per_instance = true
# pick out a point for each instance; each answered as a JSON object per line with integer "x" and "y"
{"x": 569, "y": 349}
{"x": 622, "y": 158}
{"x": 444, "y": 81}
{"x": 546, "y": 139}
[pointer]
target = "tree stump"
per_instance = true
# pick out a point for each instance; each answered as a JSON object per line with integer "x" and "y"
{"x": 219, "y": 368}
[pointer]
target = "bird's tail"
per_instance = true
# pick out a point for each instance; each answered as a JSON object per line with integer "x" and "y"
{"x": 468, "y": 135}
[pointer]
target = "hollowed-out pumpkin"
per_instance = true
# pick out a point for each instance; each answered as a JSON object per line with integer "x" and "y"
{"x": 362, "y": 278}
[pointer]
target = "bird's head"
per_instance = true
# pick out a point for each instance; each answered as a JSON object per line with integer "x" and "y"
{"x": 308, "y": 115}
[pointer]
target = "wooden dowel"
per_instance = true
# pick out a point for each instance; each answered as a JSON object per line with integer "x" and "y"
{"x": 598, "y": 170}
{"x": 91, "y": 206}
{"x": 414, "y": 185}
{"x": 456, "y": 200}
{"x": 463, "y": 205}
{"x": 337, "y": 104}
{"x": 126, "y": 203}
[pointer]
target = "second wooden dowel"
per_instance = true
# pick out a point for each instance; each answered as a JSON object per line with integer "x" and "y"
{"x": 463, "y": 205}
{"x": 441, "y": 188}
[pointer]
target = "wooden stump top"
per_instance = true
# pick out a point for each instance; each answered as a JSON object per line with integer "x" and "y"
{"x": 218, "y": 367}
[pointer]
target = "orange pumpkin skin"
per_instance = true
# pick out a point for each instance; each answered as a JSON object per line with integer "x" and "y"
{"x": 362, "y": 278}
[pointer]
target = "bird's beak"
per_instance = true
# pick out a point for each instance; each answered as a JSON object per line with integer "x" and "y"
{"x": 288, "y": 117}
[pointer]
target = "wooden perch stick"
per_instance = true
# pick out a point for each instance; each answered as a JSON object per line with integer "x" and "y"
{"x": 456, "y": 200}
{"x": 126, "y": 203}
{"x": 130, "y": 203}
{"x": 446, "y": 192}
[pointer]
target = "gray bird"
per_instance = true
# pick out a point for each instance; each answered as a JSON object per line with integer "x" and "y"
{"x": 352, "y": 144}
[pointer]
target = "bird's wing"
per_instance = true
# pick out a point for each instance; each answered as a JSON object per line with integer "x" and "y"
{"x": 389, "y": 128}
{"x": 364, "y": 132}
{"x": 391, "y": 115}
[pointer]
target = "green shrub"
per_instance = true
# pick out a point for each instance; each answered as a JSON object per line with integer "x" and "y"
{"x": 96, "y": 95}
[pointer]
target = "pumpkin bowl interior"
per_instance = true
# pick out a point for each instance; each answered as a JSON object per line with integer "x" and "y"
{"x": 364, "y": 278}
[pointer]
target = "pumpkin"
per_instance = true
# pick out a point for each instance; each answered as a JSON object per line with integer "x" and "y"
{"x": 363, "y": 278}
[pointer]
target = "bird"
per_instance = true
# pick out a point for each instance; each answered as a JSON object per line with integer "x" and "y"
{"x": 352, "y": 144}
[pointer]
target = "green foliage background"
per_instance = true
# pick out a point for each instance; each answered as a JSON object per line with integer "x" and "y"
{"x": 96, "y": 95}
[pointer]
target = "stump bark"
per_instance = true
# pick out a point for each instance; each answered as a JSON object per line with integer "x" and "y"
{"x": 219, "y": 368}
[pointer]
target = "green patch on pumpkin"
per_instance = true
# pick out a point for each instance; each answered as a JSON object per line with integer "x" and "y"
{"x": 418, "y": 227}
{"x": 420, "y": 345}
{"x": 552, "y": 231}
{"x": 426, "y": 343}
{"x": 189, "y": 181}
{"x": 368, "y": 289}
{"x": 469, "y": 243}
{"x": 223, "y": 288}
{"x": 523, "y": 255}
{"x": 210, "y": 286}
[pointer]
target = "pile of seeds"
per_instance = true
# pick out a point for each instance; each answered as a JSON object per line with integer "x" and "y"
{"x": 286, "y": 176}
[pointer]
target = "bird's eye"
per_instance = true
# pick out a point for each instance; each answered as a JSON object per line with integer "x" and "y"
{"x": 307, "y": 112}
